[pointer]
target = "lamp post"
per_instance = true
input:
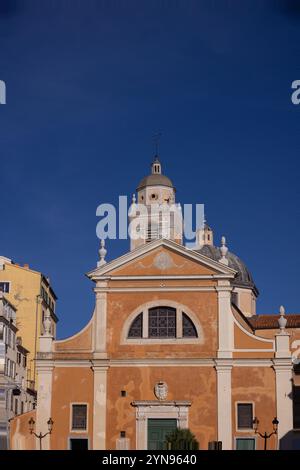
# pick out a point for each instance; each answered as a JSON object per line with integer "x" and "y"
{"x": 266, "y": 436}
{"x": 40, "y": 436}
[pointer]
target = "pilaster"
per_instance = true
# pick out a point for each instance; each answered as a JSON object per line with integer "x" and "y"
{"x": 223, "y": 369}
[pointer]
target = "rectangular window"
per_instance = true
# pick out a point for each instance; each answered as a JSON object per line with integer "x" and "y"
{"x": 7, "y": 367}
{"x": 19, "y": 358}
{"x": 16, "y": 406}
{"x": 296, "y": 407}
{"x": 245, "y": 416}
{"x": 22, "y": 407}
{"x": 12, "y": 369}
{"x": 24, "y": 361}
{"x": 8, "y": 337}
{"x": 3, "y": 442}
{"x": 4, "y": 287}
{"x": 79, "y": 444}
{"x": 245, "y": 443}
{"x": 1, "y": 332}
{"x": 79, "y": 417}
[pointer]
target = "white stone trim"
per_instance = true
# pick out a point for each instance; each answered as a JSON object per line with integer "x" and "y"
{"x": 44, "y": 401}
{"x": 165, "y": 277}
{"x": 144, "y": 308}
{"x": 158, "y": 410}
{"x": 225, "y": 322}
{"x": 162, "y": 288}
{"x": 284, "y": 390}
{"x": 100, "y": 321}
{"x": 253, "y": 362}
{"x": 253, "y": 350}
{"x": 224, "y": 405}
{"x": 100, "y": 407}
{"x": 158, "y": 362}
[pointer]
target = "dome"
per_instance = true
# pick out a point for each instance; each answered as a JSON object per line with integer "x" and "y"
{"x": 155, "y": 180}
{"x": 243, "y": 278}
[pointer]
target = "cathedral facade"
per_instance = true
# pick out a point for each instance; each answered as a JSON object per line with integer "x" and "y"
{"x": 174, "y": 342}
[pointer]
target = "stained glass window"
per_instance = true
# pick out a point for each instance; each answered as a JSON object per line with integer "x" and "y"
{"x": 188, "y": 327}
{"x": 136, "y": 328}
{"x": 162, "y": 322}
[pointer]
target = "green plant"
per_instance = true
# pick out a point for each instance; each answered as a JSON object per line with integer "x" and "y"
{"x": 181, "y": 439}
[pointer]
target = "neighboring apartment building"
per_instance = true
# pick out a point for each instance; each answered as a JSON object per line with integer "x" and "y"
{"x": 15, "y": 395}
{"x": 31, "y": 293}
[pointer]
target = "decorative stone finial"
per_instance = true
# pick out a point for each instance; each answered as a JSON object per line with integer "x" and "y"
{"x": 102, "y": 254}
{"x": 47, "y": 323}
{"x": 132, "y": 208}
{"x": 224, "y": 251}
{"x": 282, "y": 321}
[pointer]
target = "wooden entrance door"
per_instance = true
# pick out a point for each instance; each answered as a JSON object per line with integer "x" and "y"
{"x": 158, "y": 429}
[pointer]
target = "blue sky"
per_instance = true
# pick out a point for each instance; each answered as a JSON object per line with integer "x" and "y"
{"x": 89, "y": 82}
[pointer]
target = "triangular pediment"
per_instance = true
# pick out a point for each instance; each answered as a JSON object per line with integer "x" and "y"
{"x": 162, "y": 258}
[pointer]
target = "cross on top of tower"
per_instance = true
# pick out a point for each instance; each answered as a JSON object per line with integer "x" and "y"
{"x": 156, "y": 140}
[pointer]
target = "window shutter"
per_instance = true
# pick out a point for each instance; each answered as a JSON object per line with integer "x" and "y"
{"x": 245, "y": 415}
{"x": 79, "y": 417}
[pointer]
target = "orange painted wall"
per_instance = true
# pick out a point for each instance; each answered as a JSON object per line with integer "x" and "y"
{"x": 197, "y": 384}
{"x": 70, "y": 385}
{"x": 202, "y": 304}
{"x": 257, "y": 385}
{"x": 146, "y": 265}
{"x": 78, "y": 342}
{"x": 20, "y": 437}
{"x": 242, "y": 340}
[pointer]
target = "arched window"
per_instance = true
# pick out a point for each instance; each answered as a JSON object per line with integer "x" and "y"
{"x": 188, "y": 327}
{"x": 162, "y": 322}
{"x": 152, "y": 231}
{"x": 136, "y": 328}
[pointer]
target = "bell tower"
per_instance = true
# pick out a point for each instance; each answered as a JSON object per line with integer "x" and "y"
{"x": 154, "y": 214}
{"x": 204, "y": 236}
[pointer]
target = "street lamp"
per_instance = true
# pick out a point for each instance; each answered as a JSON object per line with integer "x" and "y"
{"x": 40, "y": 436}
{"x": 265, "y": 436}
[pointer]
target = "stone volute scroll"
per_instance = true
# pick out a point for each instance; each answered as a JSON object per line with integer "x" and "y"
{"x": 161, "y": 390}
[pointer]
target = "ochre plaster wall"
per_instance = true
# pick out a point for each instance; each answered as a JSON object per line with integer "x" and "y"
{"x": 202, "y": 304}
{"x": 70, "y": 385}
{"x": 257, "y": 385}
{"x": 197, "y": 384}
